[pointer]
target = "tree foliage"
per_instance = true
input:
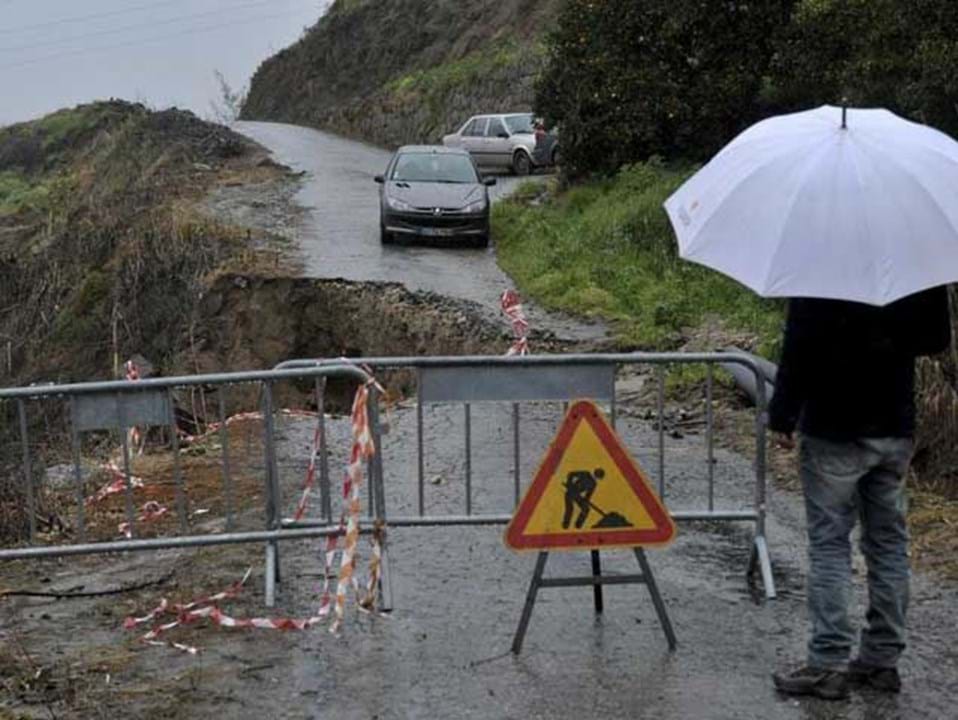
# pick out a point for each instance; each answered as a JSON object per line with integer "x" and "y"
{"x": 627, "y": 79}
{"x": 887, "y": 53}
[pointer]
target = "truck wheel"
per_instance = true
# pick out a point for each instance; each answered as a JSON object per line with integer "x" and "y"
{"x": 386, "y": 238}
{"x": 521, "y": 163}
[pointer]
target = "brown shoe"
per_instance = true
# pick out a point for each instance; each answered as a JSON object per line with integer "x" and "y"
{"x": 818, "y": 682}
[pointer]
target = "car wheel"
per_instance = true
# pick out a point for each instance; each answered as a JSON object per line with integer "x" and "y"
{"x": 386, "y": 238}
{"x": 482, "y": 241}
{"x": 521, "y": 163}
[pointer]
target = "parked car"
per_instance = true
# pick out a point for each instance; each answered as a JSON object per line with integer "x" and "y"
{"x": 505, "y": 141}
{"x": 431, "y": 191}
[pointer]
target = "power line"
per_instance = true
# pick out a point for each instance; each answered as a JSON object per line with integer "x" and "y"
{"x": 137, "y": 26}
{"x": 142, "y": 41}
{"x": 93, "y": 16}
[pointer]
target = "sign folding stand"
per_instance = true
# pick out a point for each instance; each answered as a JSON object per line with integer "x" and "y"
{"x": 587, "y": 473}
{"x": 597, "y": 580}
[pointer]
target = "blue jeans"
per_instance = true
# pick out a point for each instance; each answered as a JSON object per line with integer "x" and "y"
{"x": 842, "y": 482}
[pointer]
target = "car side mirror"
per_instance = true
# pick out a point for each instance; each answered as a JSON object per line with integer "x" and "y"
{"x": 489, "y": 182}
{"x": 379, "y": 179}
{"x": 504, "y": 135}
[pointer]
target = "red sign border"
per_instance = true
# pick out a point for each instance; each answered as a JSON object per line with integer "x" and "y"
{"x": 587, "y": 411}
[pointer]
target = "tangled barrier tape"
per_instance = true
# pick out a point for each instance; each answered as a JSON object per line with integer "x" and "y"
{"x": 310, "y": 480}
{"x": 512, "y": 307}
{"x": 117, "y": 484}
{"x": 151, "y": 511}
{"x": 363, "y": 448}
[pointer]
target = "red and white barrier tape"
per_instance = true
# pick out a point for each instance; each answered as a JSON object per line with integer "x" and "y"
{"x": 165, "y": 608}
{"x": 363, "y": 448}
{"x": 116, "y": 485}
{"x": 512, "y": 307}
{"x": 310, "y": 474}
{"x": 150, "y": 512}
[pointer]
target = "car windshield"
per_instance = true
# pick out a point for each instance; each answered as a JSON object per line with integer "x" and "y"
{"x": 519, "y": 123}
{"x": 434, "y": 167}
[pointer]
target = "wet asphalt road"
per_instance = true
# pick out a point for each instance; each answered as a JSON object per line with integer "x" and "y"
{"x": 339, "y": 236}
{"x": 443, "y": 652}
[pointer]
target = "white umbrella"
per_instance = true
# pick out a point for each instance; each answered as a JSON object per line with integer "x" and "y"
{"x": 803, "y": 205}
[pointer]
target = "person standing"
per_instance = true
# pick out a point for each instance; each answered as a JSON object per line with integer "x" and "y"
{"x": 846, "y": 383}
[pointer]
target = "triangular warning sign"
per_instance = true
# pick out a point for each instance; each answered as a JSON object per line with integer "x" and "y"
{"x": 588, "y": 493}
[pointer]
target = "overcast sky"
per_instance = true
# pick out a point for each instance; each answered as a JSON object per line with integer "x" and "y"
{"x": 59, "y": 53}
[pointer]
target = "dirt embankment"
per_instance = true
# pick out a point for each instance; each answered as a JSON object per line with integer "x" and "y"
{"x": 255, "y": 321}
{"x": 103, "y": 249}
{"x": 401, "y": 71}
{"x": 260, "y": 321}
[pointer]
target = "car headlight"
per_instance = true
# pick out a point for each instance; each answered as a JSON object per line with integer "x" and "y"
{"x": 397, "y": 204}
{"x": 475, "y": 207}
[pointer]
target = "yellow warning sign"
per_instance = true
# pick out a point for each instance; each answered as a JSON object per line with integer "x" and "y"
{"x": 588, "y": 493}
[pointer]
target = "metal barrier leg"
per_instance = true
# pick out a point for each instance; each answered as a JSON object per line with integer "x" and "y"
{"x": 597, "y": 588}
{"x": 377, "y": 492}
{"x": 273, "y": 502}
{"x": 760, "y": 559}
{"x": 385, "y": 579}
{"x": 530, "y": 603}
{"x": 660, "y": 608}
{"x": 270, "y": 573}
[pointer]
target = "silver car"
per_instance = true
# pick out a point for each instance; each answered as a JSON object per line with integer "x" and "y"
{"x": 504, "y": 141}
{"x": 434, "y": 193}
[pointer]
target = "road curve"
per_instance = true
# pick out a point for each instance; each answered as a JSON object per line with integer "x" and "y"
{"x": 339, "y": 237}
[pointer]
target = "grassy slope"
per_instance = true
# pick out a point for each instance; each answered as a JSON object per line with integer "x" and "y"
{"x": 100, "y": 250}
{"x": 606, "y": 249}
{"x": 396, "y": 71}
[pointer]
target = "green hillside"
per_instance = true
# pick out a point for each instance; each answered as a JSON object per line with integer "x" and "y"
{"x": 398, "y": 71}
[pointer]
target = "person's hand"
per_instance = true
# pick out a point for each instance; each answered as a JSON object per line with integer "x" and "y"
{"x": 786, "y": 441}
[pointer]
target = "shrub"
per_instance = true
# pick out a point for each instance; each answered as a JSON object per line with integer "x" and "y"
{"x": 899, "y": 55}
{"x": 627, "y": 79}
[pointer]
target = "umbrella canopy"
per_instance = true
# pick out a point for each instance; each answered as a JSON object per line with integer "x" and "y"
{"x": 801, "y": 206}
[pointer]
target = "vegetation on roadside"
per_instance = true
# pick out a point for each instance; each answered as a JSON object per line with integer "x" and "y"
{"x": 101, "y": 253}
{"x": 606, "y": 249}
{"x": 626, "y": 80}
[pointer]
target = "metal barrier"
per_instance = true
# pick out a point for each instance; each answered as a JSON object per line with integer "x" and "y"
{"x": 516, "y": 380}
{"x": 118, "y": 406}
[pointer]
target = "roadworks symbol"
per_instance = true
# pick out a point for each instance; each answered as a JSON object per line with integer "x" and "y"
{"x": 588, "y": 493}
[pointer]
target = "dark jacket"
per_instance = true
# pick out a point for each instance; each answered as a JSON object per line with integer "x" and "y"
{"x": 848, "y": 369}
